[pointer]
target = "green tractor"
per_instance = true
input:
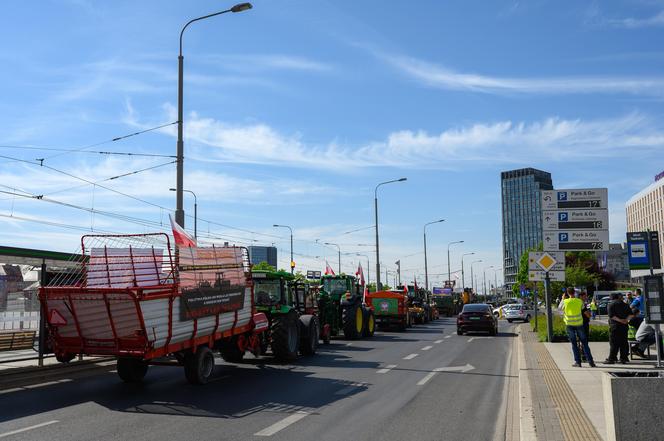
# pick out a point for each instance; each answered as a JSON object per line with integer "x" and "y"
{"x": 290, "y": 310}
{"x": 341, "y": 308}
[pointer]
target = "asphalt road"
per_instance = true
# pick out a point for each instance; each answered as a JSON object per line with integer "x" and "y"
{"x": 424, "y": 384}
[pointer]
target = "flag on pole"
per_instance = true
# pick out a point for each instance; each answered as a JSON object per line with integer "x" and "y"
{"x": 359, "y": 273}
{"x": 182, "y": 239}
{"x": 415, "y": 282}
{"x": 328, "y": 269}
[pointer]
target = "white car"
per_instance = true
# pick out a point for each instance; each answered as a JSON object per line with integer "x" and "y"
{"x": 517, "y": 312}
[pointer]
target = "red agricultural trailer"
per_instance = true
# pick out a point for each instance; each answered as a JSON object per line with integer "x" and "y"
{"x": 137, "y": 298}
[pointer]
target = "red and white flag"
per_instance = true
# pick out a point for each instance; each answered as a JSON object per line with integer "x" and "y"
{"x": 328, "y": 269}
{"x": 182, "y": 238}
{"x": 359, "y": 273}
{"x": 415, "y": 283}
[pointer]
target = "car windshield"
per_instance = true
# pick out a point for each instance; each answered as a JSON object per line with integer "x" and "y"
{"x": 267, "y": 292}
{"x": 475, "y": 308}
{"x": 334, "y": 286}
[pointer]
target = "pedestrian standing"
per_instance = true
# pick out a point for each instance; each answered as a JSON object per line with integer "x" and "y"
{"x": 638, "y": 303}
{"x": 619, "y": 315}
{"x": 593, "y": 309}
{"x": 572, "y": 314}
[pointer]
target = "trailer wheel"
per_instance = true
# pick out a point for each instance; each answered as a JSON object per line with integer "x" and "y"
{"x": 309, "y": 332}
{"x": 199, "y": 367}
{"x": 352, "y": 319}
{"x": 131, "y": 370}
{"x": 285, "y": 336}
{"x": 230, "y": 351}
{"x": 370, "y": 323}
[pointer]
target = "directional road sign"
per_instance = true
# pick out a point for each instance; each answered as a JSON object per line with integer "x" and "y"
{"x": 536, "y": 258}
{"x": 539, "y": 276}
{"x": 575, "y": 219}
{"x": 576, "y": 240}
{"x": 575, "y": 198}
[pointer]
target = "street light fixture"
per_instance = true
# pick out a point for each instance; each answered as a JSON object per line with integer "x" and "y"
{"x": 426, "y": 267}
{"x": 463, "y": 277}
{"x": 195, "y": 210}
{"x": 179, "y": 211}
{"x": 292, "y": 263}
{"x": 339, "y": 250}
{"x": 378, "y": 285}
{"x": 472, "y": 277}
{"x": 449, "y": 273}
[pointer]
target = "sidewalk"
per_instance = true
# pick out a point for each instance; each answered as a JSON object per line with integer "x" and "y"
{"x": 567, "y": 403}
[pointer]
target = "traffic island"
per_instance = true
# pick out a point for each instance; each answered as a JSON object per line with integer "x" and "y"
{"x": 633, "y": 403}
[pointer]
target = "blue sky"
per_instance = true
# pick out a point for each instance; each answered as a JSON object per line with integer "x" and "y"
{"x": 296, "y": 109}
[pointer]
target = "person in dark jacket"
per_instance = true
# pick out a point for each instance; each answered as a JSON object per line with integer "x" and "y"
{"x": 619, "y": 315}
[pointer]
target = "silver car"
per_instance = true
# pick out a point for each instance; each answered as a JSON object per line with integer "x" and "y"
{"x": 518, "y": 312}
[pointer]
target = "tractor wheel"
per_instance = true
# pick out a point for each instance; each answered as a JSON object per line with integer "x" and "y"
{"x": 370, "y": 323}
{"x": 285, "y": 336}
{"x": 352, "y": 319}
{"x": 230, "y": 351}
{"x": 131, "y": 370}
{"x": 199, "y": 367}
{"x": 309, "y": 334}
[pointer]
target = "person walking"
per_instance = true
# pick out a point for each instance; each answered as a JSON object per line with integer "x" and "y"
{"x": 573, "y": 317}
{"x": 619, "y": 315}
{"x": 593, "y": 309}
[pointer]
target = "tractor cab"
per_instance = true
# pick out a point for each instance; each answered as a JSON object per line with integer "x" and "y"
{"x": 271, "y": 290}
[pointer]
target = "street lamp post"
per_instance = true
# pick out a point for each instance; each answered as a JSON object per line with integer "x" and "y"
{"x": 195, "y": 211}
{"x": 472, "y": 277}
{"x": 495, "y": 280}
{"x": 292, "y": 266}
{"x": 378, "y": 285}
{"x": 426, "y": 267}
{"x": 463, "y": 277}
{"x": 484, "y": 280}
{"x": 449, "y": 273}
{"x": 179, "y": 211}
{"x": 339, "y": 249}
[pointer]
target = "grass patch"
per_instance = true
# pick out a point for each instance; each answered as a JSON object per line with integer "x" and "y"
{"x": 597, "y": 332}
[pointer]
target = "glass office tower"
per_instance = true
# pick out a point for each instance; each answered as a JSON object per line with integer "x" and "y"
{"x": 263, "y": 254}
{"x": 522, "y": 215}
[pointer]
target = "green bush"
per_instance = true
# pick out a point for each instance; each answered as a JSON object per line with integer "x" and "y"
{"x": 597, "y": 332}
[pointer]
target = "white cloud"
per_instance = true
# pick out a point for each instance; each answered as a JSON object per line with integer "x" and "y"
{"x": 441, "y": 77}
{"x": 255, "y": 62}
{"x": 634, "y": 23}
{"x": 507, "y": 142}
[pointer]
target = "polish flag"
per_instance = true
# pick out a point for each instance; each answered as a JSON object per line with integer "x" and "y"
{"x": 415, "y": 283}
{"x": 328, "y": 269}
{"x": 360, "y": 274}
{"x": 182, "y": 239}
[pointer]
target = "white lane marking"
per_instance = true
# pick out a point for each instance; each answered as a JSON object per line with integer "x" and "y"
{"x": 447, "y": 336}
{"x": 426, "y": 348}
{"x": 348, "y": 389}
{"x": 349, "y": 344}
{"x": 14, "y": 389}
{"x": 386, "y": 369}
{"x": 471, "y": 339}
{"x": 438, "y": 341}
{"x": 25, "y": 429}
{"x": 410, "y": 357}
{"x": 428, "y": 377}
{"x": 281, "y": 425}
{"x": 48, "y": 383}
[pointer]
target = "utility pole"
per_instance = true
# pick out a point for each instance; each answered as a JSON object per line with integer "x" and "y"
{"x": 398, "y": 264}
{"x": 426, "y": 266}
{"x": 378, "y": 285}
{"x": 449, "y": 273}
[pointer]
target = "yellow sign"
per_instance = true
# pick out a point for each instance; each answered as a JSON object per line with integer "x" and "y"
{"x": 292, "y": 264}
{"x": 546, "y": 262}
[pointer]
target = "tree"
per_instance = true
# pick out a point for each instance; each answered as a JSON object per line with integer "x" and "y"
{"x": 263, "y": 266}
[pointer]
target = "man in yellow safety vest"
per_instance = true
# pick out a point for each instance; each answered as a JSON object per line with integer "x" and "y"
{"x": 571, "y": 308}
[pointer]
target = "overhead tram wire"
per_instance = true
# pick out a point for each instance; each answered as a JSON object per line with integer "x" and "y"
{"x": 118, "y": 138}
{"x": 53, "y": 149}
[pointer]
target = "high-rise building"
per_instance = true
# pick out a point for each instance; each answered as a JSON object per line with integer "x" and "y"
{"x": 522, "y": 215}
{"x": 263, "y": 254}
{"x": 645, "y": 210}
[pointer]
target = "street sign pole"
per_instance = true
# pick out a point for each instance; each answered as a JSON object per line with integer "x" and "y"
{"x": 549, "y": 315}
{"x": 536, "y": 312}
{"x": 658, "y": 332}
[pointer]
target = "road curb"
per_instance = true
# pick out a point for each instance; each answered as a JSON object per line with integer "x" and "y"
{"x": 527, "y": 430}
